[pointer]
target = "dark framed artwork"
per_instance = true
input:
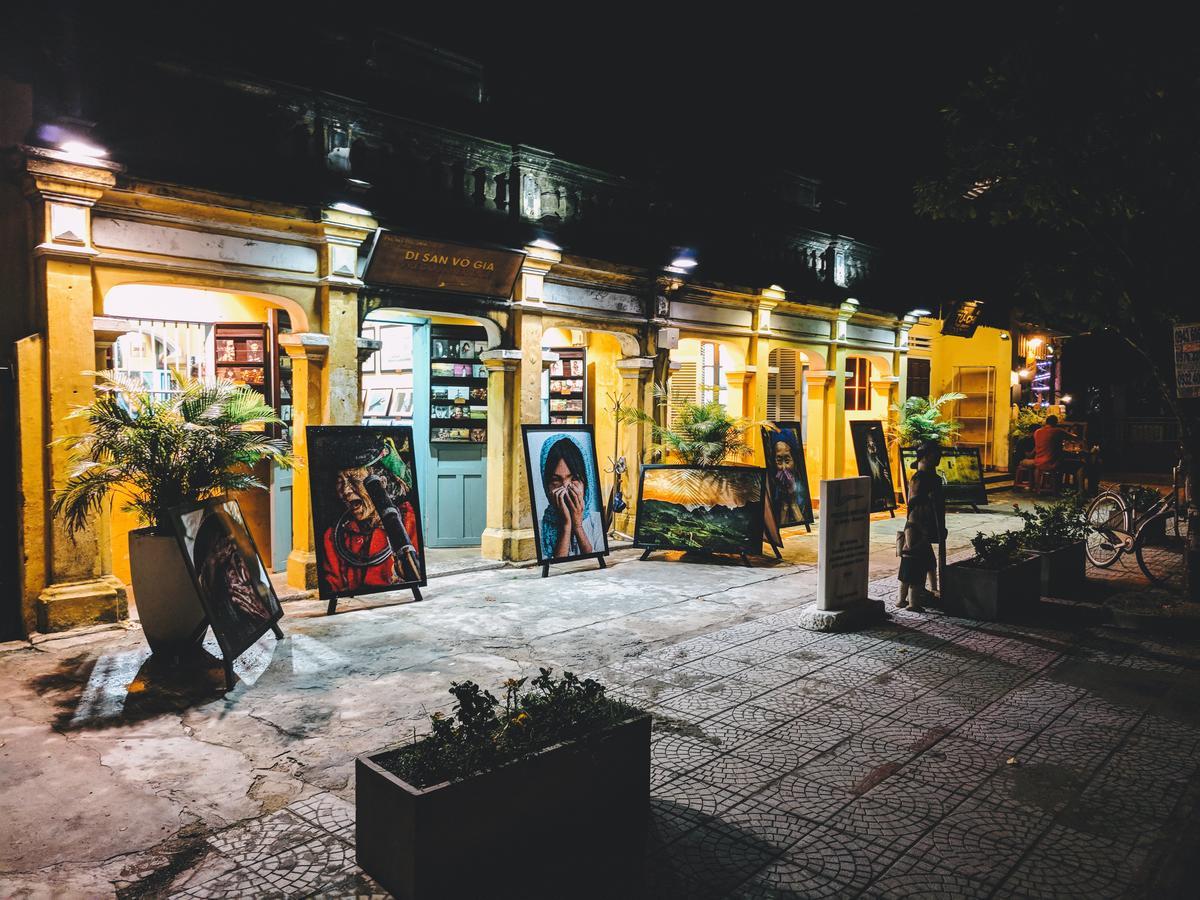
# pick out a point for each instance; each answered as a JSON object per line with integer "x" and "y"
{"x": 229, "y": 574}
{"x": 564, "y": 490}
{"x": 787, "y": 475}
{"x": 717, "y": 509}
{"x": 961, "y": 471}
{"x": 366, "y": 541}
{"x": 871, "y": 454}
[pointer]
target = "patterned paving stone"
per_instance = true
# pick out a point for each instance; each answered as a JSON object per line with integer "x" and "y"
{"x": 895, "y": 826}
{"x": 967, "y": 853}
{"x": 931, "y": 801}
{"x": 913, "y": 877}
{"x": 804, "y": 732}
{"x": 782, "y": 756}
{"x": 252, "y": 842}
{"x": 752, "y": 717}
{"x": 786, "y": 878}
{"x": 992, "y": 733}
{"x": 694, "y": 706}
{"x": 787, "y": 642}
{"x": 955, "y": 764}
{"x": 354, "y": 885}
{"x": 710, "y": 861}
{"x": 844, "y": 858}
{"x": 716, "y": 666}
{"x": 1146, "y": 798}
{"x": 765, "y": 679}
{"x": 723, "y": 735}
{"x": 896, "y": 684}
{"x": 761, "y": 823}
{"x": 802, "y": 797}
{"x": 731, "y": 772}
{"x": 842, "y": 676}
{"x": 235, "y": 885}
{"x": 303, "y": 869}
{"x": 869, "y": 700}
{"x": 678, "y": 755}
{"x": 1050, "y": 875}
{"x": 1170, "y": 730}
{"x": 747, "y": 655}
{"x": 795, "y": 700}
{"x": 329, "y": 812}
{"x": 895, "y": 736}
{"x": 685, "y": 795}
{"x": 848, "y": 770}
{"x": 848, "y": 720}
{"x": 1034, "y": 788}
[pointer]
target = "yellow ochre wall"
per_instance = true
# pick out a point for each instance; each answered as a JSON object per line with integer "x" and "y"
{"x": 985, "y": 348}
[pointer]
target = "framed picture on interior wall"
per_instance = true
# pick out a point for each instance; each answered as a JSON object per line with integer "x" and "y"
{"x": 230, "y": 577}
{"x": 961, "y": 472}
{"x": 564, "y": 489}
{"x": 714, "y": 509}
{"x": 377, "y": 402}
{"x": 371, "y": 365}
{"x": 787, "y": 475}
{"x": 396, "y": 353}
{"x": 366, "y": 510}
{"x": 402, "y": 404}
{"x": 871, "y": 455}
{"x": 439, "y": 349}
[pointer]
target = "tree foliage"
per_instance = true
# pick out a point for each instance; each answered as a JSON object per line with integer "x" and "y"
{"x": 159, "y": 450}
{"x": 703, "y": 434}
{"x": 920, "y": 419}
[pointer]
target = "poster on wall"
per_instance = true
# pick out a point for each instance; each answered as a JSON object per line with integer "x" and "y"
{"x": 396, "y": 354}
{"x": 717, "y": 509}
{"x": 234, "y": 587}
{"x": 787, "y": 475}
{"x": 961, "y": 471}
{"x": 366, "y": 510}
{"x": 564, "y": 489}
{"x": 871, "y": 454}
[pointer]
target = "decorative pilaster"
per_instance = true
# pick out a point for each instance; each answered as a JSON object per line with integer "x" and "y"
{"x": 308, "y": 352}
{"x": 344, "y": 233}
{"x": 637, "y": 386}
{"x": 504, "y": 537}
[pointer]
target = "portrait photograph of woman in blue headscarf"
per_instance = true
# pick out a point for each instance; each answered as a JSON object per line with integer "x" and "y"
{"x": 564, "y": 488}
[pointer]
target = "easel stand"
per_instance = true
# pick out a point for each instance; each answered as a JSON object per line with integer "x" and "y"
{"x": 333, "y": 601}
{"x": 599, "y": 557}
{"x": 228, "y": 661}
{"x": 743, "y": 555}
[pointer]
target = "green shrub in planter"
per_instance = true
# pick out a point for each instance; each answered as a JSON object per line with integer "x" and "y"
{"x": 1056, "y": 532}
{"x": 1002, "y": 578}
{"x": 561, "y": 766}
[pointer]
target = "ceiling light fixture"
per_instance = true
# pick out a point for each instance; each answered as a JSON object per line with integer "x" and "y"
{"x": 341, "y": 206}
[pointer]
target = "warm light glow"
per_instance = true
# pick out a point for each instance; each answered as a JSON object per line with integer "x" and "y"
{"x": 545, "y": 244}
{"x": 1023, "y": 373}
{"x": 79, "y": 148}
{"x": 852, "y": 301}
{"x": 1034, "y": 343}
{"x": 920, "y": 311}
{"x": 1066, "y": 398}
{"x": 1004, "y": 336}
{"x": 350, "y": 208}
{"x": 683, "y": 262}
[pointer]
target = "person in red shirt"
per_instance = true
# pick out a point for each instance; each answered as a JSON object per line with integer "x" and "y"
{"x": 356, "y": 547}
{"x": 1048, "y": 445}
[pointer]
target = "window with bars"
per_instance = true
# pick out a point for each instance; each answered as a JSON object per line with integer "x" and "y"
{"x": 917, "y": 384}
{"x": 713, "y": 385}
{"x": 858, "y": 383}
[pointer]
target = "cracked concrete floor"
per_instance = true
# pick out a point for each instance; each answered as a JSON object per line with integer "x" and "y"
{"x": 115, "y": 767}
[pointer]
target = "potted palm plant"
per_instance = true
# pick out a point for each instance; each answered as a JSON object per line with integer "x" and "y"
{"x": 158, "y": 450}
{"x": 921, "y": 419}
{"x": 1001, "y": 579}
{"x": 703, "y": 434}
{"x": 1056, "y": 532}
{"x": 560, "y": 763}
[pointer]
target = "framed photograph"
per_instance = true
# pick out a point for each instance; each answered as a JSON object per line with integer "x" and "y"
{"x": 480, "y": 346}
{"x": 466, "y": 350}
{"x": 402, "y": 404}
{"x": 787, "y": 475}
{"x": 439, "y": 348}
{"x": 961, "y": 471}
{"x": 442, "y": 370}
{"x": 564, "y": 490}
{"x": 355, "y": 553}
{"x": 479, "y": 435}
{"x": 718, "y": 509}
{"x": 479, "y": 370}
{"x": 377, "y": 403}
{"x": 396, "y": 353}
{"x": 371, "y": 365}
{"x": 230, "y": 577}
{"x": 871, "y": 454}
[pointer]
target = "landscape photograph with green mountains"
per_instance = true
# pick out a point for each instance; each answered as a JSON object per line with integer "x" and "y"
{"x": 715, "y": 509}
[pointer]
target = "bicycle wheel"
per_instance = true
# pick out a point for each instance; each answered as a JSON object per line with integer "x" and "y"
{"x": 1161, "y": 559}
{"x": 1107, "y": 514}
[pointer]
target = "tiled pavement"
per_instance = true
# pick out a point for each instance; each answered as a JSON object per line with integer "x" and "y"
{"x": 925, "y": 757}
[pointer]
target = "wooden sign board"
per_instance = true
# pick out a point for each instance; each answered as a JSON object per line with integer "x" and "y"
{"x": 963, "y": 318}
{"x": 403, "y": 261}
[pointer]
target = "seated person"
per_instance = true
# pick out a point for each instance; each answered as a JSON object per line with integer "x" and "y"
{"x": 1048, "y": 445}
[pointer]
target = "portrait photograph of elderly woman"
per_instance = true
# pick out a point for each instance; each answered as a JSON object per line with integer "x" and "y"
{"x": 564, "y": 488}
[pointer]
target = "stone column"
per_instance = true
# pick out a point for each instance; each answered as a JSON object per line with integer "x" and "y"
{"x": 338, "y": 301}
{"x": 308, "y": 352}
{"x": 760, "y": 350}
{"x": 503, "y": 537}
{"x": 79, "y": 588}
{"x": 637, "y": 386}
{"x": 837, "y": 364}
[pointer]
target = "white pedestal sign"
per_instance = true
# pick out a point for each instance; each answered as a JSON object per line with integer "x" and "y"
{"x": 843, "y": 557}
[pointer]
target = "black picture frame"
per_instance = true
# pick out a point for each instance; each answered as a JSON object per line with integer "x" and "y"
{"x": 792, "y": 434}
{"x": 590, "y": 460}
{"x": 751, "y": 541}
{"x": 883, "y": 489}
{"x": 965, "y": 493}
{"x": 206, "y": 532}
{"x": 333, "y": 449}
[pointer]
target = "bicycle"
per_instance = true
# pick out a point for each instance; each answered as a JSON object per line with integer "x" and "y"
{"x": 1117, "y": 528}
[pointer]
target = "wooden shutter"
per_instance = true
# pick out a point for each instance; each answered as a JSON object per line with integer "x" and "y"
{"x": 682, "y": 388}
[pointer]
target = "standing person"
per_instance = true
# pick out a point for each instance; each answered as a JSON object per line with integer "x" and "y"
{"x": 924, "y": 527}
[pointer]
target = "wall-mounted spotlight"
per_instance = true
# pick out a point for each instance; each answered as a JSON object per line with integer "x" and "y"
{"x": 1023, "y": 374}
{"x": 82, "y": 148}
{"x": 684, "y": 263}
{"x": 919, "y": 312}
{"x": 342, "y": 206}
{"x": 1004, "y": 336}
{"x": 545, "y": 244}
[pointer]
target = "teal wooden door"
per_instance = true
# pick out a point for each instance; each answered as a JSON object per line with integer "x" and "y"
{"x": 454, "y": 489}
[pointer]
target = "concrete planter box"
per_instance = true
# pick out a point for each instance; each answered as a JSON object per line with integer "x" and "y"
{"x": 993, "y": 594}
{"x": 570, "y": 815}
{"x": 168, "y": 606}
{"x": 1064, "y": 570}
